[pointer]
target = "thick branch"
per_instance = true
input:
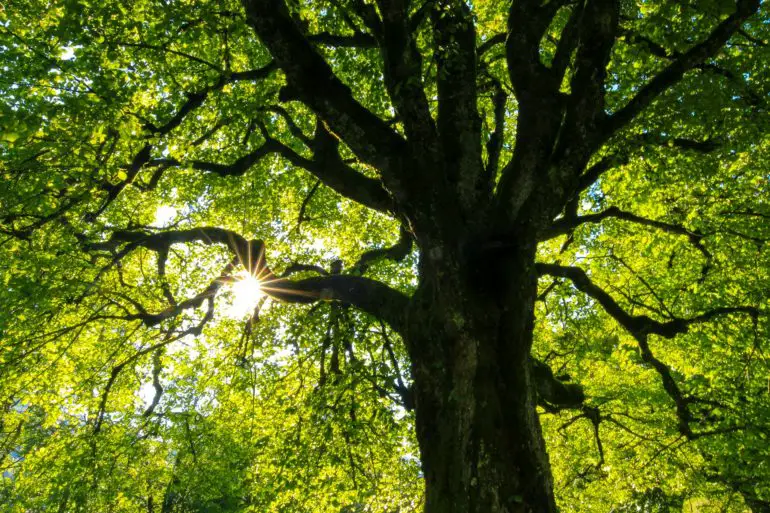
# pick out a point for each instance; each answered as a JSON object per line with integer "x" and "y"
{"x": 527, "y": 22}
{"x": 459, "y": 124}
{"x": 369, "y": 295}
{"x": 541, "y": 108}
{"x": 597, "y": 28}
{"x": 567, "y": 43}
{"x": 554, "y": 392}
{"x": 313, "y": 82}
{"x": 403, "y": 79}
{"x": 495, "y": 141}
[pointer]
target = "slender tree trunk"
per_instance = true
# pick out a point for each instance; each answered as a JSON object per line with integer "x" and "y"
{"x": 478, "y": 430}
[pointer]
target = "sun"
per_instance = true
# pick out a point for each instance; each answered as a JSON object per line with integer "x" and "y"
{"x": 247, "y": 293}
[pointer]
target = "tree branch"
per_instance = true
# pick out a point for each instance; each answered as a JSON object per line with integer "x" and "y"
{"x": 705, "y": 146}
{"x": 397, "y": 253}
{"x": 637, "y": 324}
{"x": 165, "y": 48}
{"x": 459, "y": 124}
{"x": 554, "y": 392}
{"x": 567, "y": 43}
{"x": 332, "y": 172}
{"x": 674, "y": 72}
{"x": 541, "y": 108}
{"x": 368, "y": 295}
{"x": 527, "y": 22}
{"x": 752, "y": 97}
{"x": 293, "y": 128}
{"x": 403, "y": 80}
{"x": 641, "y": 326}
{"x": 598, "y": 26}
{"x": 194, "y": 100}
{"x": 371, "y": 296}
{"x": 313, "y": 82}
{"x": 566, "y": 224}
{"x": 490, "y": 43}
{"x": 496, "y": 138}
{"x": 592, "y": 174}
{"x": 157, "y": 367}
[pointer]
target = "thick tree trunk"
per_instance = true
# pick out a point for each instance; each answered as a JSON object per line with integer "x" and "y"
{"x": 478, "y": 430}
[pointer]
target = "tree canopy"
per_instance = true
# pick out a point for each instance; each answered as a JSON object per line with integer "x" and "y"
{"x": 482, "y": 232}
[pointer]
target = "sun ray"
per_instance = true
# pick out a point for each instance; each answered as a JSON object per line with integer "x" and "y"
{"x": 247, "y": 292}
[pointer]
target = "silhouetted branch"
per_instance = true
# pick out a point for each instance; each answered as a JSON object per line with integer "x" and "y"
{"x": 370, "y": 296}
{"x": 674, "y": 72}
{"x": 397, "y": 252}
{"x": 641, "y": 326}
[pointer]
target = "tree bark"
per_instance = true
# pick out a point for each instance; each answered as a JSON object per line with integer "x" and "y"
{"x": 480, "y": 439}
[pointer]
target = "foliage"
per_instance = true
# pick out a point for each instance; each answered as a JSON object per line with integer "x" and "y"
{"x": 146, "y": 143}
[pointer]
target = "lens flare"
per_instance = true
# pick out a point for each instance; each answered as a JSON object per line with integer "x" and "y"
{"x": 247, "y": 293}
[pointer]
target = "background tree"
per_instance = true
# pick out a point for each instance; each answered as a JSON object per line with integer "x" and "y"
{"x": 497, "y": 215}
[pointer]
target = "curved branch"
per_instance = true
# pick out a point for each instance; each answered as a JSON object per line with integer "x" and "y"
{"x": 567, "y": 42}
{"x": 293, "y": 128}
{"x": 397, "y": 253}
{"x": 556, "y": 393}
{"x": 567, "y": 224}
{"x": 311, "y": 80}
{"x": 751, "y": 96}
{"x": 404, "y": 81}
{"x": 527, "y": 22}
{"x": 641, "y": 326}
{"x": 194, "y": 100}
{"x": 674, "y": 72}
{"x": 636, "y": 324}
{"x": 597, "y": 27}
{"x": 496, "y": 138}
{"x": 338, "y": 176}
{"x": 491, "y": 42}
{"x": 157, "y": 367}
{"x": 368, "y": 295}
{"x": 594, "y": 172}
{"x": 165, "y": 48}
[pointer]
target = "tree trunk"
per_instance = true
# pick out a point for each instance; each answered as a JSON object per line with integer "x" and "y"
{"x": 477, "y": 427}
